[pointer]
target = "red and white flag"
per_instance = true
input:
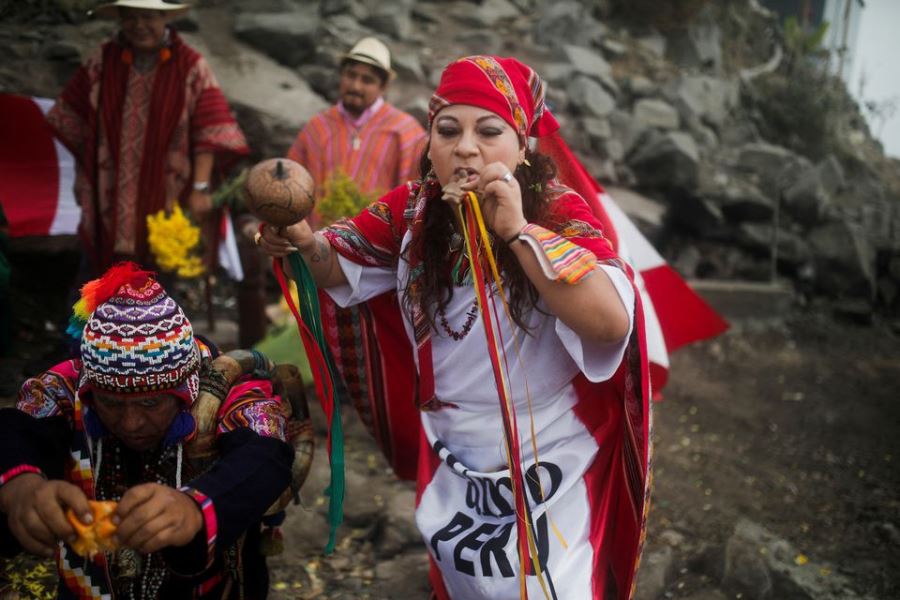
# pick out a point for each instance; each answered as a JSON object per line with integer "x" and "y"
{"x": 36, "y": 171}
{"x": 674, "y": 315}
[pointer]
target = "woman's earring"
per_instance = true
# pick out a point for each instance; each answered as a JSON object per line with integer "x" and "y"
{"x": 526, "y": 162}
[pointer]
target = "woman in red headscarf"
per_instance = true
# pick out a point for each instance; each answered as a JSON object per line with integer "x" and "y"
{"x": 534, "y": 459}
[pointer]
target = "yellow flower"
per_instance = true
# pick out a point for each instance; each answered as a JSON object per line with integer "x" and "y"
{"x": 342, "y": 199}
{"x": 172, "y": 239}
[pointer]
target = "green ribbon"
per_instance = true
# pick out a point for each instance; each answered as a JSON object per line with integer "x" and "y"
{"x": 310, "y": 312}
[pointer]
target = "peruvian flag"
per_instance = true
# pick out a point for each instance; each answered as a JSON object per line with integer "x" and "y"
{"x": 36, "y": 171}
{"x": 674, "y": 315}
{"x": 37, "y": 174}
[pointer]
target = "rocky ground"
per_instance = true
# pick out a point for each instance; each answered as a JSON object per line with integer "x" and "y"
{"x": 776, "y": 443}
{"x": 775, "y": 468}
{"x": 775, "y": 477}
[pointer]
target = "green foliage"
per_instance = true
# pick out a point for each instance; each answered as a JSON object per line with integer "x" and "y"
{"x": 342, "y": 199}
{"x": 802, "y": 42}
{"x": 231, "y": 193}
{"x": 800, "y": 110}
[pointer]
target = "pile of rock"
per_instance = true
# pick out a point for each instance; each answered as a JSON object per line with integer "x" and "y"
{"x": 674, "y": 115}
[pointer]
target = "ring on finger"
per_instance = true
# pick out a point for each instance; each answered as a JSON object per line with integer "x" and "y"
{"x": 507, "y": 177}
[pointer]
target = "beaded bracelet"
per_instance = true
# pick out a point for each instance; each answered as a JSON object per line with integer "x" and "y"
{"x": 514, "y": 238}
{"x": 19, "y": 470}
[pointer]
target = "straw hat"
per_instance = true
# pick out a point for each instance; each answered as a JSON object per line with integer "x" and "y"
{"x": 371, "y": 51}
{"x": 111, "y": 10}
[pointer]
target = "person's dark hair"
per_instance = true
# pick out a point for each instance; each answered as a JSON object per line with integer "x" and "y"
{"x": 436, "y": 286}
{"x": 383, "y": 75}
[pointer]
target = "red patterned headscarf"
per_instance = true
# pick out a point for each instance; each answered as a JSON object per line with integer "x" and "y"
{"x": 503, "y": 86}
{"x": 514, "y": 92}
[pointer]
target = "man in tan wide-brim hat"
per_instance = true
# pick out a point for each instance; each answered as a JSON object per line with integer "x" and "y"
{"x": 362, "y": 136}
{"x": 378, "y": 146}
{"x": 111, "y": 10}
{"x": 146, "y": 121}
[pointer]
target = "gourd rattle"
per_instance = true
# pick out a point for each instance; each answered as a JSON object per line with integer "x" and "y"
{"x": 279, "y": 192}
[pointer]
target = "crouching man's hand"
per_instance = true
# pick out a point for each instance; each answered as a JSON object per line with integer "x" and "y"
{"x": 153, "y": 516}
{"x": 36, "y": 511}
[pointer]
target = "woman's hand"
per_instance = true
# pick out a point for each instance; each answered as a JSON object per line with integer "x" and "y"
{"x": 501, "y": 199}
{"x": 281, "y": 241}
{"x": 36, "y": 509}
{"x": 313, "y": 247}
{"x": 453, "y": 193}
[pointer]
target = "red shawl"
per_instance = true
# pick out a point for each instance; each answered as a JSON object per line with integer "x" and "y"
{"x": 166, "y": 106}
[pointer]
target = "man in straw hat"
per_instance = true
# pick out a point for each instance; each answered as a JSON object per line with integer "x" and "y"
{"x": 378, "y": 147}
{"x": 114, "y": 425}
{"x": 363, "y": 136}
{"x": 146, "y": 121}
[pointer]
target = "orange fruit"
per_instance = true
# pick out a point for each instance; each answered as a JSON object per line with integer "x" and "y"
{"x": 95, "y": 537}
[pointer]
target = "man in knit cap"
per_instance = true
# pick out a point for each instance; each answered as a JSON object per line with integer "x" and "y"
{"x": 112, "y": 426}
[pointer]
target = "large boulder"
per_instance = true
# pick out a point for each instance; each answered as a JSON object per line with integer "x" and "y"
{"x": 697, "y": 45}
{"x": 807, "y": 200}
{"x": 745, "y": 570}
{"x": 288, "y": 37}
{"x": 657, "y": 569}
{"x": 760, "y": 565}
{"x": 352, "y": 8}
{"x": 738, "y": 198}
{"x": 701, "y": 216}
{"x": 589, "y": 98}
{"x": 774, "y": 168}
{"x": 586, "y": 61}
{"x": 392, "y": 19}
{"x": 487, "y": 15}
{"x": 791, "y": 250}
{"x": 711, "y": 99}
{"x": 248, "y": 84}
{"x": 844, "y": 261}
{"x": 566, "y": 22}
{"x": 667, "y": 160}
{"x": 652, "y": 112}
{"x": 625, "y": 129}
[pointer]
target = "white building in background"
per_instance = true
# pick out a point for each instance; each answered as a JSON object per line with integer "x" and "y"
{"x": 844, "y": 18}
{"x": 865, "y": 47}
{"x": 865, "y": 52}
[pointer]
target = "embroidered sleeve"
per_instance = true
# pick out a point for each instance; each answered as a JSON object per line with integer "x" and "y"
{"x": 209, "y": 520}
{"x": 213, "y": 128}
{"x": 560, "y": 259}
{"x": 373, "y": 237}
{"x": 252, "y": 405}
{"x": 51, "y": 393}
{"x": 252, "y": 472}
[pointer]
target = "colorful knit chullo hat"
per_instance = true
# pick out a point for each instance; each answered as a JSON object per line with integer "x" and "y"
{"x": 136, "y": 339}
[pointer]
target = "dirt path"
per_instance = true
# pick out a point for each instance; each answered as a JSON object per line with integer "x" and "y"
{"x": 792, "y": 424}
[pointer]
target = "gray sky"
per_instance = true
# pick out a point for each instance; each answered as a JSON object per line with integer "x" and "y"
{"x": 878, "y": 60}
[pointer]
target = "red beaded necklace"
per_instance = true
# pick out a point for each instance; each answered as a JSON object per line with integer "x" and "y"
{"x": 467, "y": 326}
